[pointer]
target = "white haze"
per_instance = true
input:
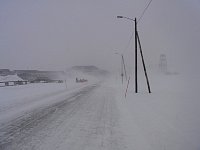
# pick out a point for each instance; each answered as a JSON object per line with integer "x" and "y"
{"x": 56, "y": 34}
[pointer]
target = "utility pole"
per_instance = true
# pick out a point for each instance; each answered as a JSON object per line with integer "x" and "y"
{"x": 66, "y": 84}
{"x": 136, "y": 83}
{"x": 124, "y": 66}
{"x": 138, "y": 40}
{"x": 148, "y": 85}
{"x": 122, "y": 72}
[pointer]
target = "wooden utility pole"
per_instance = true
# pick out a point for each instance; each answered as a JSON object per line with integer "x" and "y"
{"x": 138, "y": 40}
{"x": 122, "y": 72}
{"x": 136, "y": 83}
{"x": 143, "y": 62}
{"x": 66, "y": 84}
{"x": 124, "y": 66}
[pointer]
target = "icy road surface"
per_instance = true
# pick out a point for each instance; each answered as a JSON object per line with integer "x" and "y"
{"x": 86, "y": 119}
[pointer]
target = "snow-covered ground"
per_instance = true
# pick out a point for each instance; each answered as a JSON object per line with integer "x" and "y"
{"x": 168, "y": 118}
{"x": 96, "y": 115}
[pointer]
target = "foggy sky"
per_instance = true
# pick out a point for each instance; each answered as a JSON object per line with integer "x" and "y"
{"x": 56, "y": 34}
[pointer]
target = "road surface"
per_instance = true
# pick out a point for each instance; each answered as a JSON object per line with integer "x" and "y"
{"x": 86, "y": 120}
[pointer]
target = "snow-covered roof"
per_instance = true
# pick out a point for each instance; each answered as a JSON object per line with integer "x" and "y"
{"x": 10, "y": 78}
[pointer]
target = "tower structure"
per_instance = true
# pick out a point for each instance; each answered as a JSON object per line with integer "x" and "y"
{"x": 163, "y": 63}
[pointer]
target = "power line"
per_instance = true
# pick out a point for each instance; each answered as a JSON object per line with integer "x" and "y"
{"x": 144, "y": 11}
{"x": 131, "y": 37}
{"x": 129, "y": 42}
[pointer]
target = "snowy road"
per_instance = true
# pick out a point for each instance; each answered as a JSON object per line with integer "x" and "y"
{"x": 96, "y": 116}
{"x": 87, "y": 119}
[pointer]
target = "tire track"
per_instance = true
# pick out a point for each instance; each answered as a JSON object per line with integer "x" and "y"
{"x": 21, "y": 127}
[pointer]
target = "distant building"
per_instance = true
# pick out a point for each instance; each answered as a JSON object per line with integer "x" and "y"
{"x": 11, "y": 80}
